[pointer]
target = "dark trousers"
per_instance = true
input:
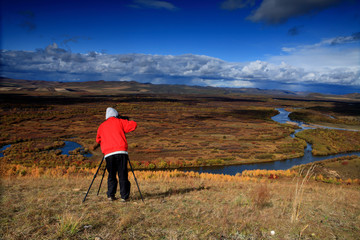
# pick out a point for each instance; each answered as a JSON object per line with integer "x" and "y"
{"x": 117, "y": 164}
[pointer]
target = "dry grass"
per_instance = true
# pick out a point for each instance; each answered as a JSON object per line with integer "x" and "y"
{"x": 261, "y": 195}
{"x": 299, "y": 192}
{"x": 178, "y": 206}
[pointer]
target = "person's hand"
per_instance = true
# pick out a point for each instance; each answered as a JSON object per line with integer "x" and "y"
{"x": 94, "y": 147}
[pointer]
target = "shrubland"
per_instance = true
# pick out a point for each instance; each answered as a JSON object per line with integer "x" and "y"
{"x": 173, "y": 131}
{"x": 340, "y": 115}
{"x": 331, "y": 141}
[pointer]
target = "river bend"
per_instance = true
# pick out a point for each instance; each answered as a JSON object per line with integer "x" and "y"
{"x": 282, "y": 117}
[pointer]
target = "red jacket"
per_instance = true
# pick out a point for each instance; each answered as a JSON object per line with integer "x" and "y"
{"x": 111, "y": 134}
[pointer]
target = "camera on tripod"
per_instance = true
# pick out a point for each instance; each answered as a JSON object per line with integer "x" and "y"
{"x": 123, "y": 117}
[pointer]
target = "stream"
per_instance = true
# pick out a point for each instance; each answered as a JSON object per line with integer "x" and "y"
{"x": 282, "y": 117}
{"x": 3, "y": 148}
{"x": 70, "y": 146}
{"x": 65, "y": 150}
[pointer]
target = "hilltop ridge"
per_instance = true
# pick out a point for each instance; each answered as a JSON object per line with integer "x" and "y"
{"x": 101, "y": 87}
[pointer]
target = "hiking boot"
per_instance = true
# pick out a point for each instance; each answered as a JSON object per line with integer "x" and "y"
{"x": 124, "y": 200}
{"x": 112, "y": 198}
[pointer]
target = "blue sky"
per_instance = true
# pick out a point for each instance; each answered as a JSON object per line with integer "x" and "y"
{"x": 229, "y": 43}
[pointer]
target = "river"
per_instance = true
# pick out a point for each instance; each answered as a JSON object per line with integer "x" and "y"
{"x": 282, "y": 117}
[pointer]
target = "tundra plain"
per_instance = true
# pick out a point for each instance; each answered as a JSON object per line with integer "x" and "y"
{"x": 179, "y": 127}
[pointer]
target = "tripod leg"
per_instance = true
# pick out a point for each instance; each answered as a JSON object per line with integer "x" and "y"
{"x": 136, "y": 181}
{"x": 93, "y": 179}
{"x": 101, "y": 180}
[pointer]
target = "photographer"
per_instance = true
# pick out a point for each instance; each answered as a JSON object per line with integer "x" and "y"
{"x": 111, "y": 137}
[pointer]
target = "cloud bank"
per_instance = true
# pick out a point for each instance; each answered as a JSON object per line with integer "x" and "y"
{"x": 57, "y": 64}
{"x": 279, "y": 11}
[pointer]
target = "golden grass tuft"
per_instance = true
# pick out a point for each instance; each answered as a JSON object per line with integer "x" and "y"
{"x": 68, "y": 225}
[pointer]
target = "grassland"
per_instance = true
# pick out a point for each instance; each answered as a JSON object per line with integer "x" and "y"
{"x": 42, "y": 190}
{"x": 181, "y": 205}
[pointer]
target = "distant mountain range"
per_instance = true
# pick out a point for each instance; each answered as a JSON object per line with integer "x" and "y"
{"x": 101, "y": 87}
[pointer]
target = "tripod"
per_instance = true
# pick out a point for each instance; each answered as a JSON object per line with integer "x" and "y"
{"x": 136, "y": 181}
{"x": 103, "y": 178}
{"x": 94, "y": 179}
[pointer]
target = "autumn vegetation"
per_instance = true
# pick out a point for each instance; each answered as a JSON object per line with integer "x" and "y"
{"x": 174, "y": 131}
{"x": 42, "y": 188}
{"x": 329, "y": 141}
{"x": 339, "y": 115}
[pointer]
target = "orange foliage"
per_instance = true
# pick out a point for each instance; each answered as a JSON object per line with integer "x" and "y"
{"x": 349, "y": 181}
{"x": 18, "y": 170}
{"x": 271, "y": 174}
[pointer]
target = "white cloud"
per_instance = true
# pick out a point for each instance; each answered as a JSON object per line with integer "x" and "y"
{"x": 329, "y": 55}
{"x": 229, "y": 84}
{"x": 287, "y": 49}
{"x": 54, "y": 63}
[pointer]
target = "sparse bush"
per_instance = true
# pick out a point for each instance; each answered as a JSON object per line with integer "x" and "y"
{"x": 260, "y": 196}
{"x": 151, "y": 166}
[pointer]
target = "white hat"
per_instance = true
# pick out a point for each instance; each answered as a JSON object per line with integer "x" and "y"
{"x": 111, "y": 112}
